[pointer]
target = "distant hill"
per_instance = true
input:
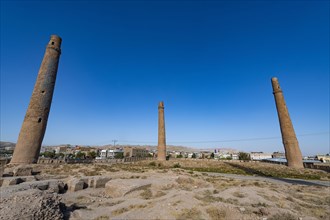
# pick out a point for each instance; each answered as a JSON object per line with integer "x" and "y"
{"x": 174, "y": 148}
{"x": 4, "y": 144}
{"x": 153, "y": 147}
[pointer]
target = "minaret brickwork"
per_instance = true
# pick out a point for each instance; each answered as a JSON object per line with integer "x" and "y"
{"x": 290, "y": 142}
{"x": 161, "y": 133}
{"x": 34, "y": 125}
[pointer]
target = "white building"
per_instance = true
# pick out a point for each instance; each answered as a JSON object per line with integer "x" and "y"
{"x": 112, "y": 153}
{"x": 260, "y": 155}
{"x": 234, "y": 156}
{"x": 109, "y": 154}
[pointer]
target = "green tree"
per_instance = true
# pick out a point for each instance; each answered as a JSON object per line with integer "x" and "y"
{"x": 91, "y": 154}
{"x": 212, "y": 155}
{"x": 244, "y": 156}
{"x": 179, "y": 156}
{"x": 49, "y": 154}
{"x": 119, "y": 155}
{"x": 80, "y": 155}
{"x": 193, "y": 155}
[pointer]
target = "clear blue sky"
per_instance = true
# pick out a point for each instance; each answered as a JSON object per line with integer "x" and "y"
{"x": 209, "y": 61}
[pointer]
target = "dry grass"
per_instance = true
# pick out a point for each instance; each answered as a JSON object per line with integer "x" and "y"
{"x": 185, "y": 183}
{"x": 252, "y": 168}
{"x": 232, "y": 201}
{"x": 176, "y": 203}
{"x": 126, "y": 209}
{"x": 120, "y": 211}
{"x": 168, "y": 187}
{"x": 191, "y": 214}
{"x": 208, "y": 197}
{"x": 283, "y": 215}
{"x": 216, "y": 213}
{"x": 259, "y": 204}
{"x": 146, "y": 194}
{"x": 88, "y": 172}
{"x": 102, "y": 217}
{"x": 159, "y": 194}
{"x": 239, "y": 194}
{"x": 109, "y": 204}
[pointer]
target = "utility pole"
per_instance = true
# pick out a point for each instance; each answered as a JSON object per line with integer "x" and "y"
{"x": 114, "y": 142}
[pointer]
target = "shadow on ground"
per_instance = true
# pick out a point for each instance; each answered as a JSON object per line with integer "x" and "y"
{"x": 252, "y": 171}
{"x": 67, "y": 210}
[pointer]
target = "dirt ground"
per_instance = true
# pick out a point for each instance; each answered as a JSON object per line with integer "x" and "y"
{"x": 176, "y": 191}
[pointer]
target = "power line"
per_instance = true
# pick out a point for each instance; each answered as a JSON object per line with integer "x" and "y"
{"x": 219, "y": 141}
{"x": 252, "y": 139}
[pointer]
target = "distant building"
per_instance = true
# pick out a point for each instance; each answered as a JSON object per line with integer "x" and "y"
{"x": 135, "y": 152}
{"x": 205, "y": 154}
{"x": 278, "y": 155}
{"x": 323, "y": 158}
{"x": 61, "y": 149}
{"x": 113, "y": 153}
{"x": 103, "y": 154}
{"x": 110, "y": 153}
{"x": 224, "y": 155}
{"x": 234, "y": 156}
{"x": 260, "y": 155}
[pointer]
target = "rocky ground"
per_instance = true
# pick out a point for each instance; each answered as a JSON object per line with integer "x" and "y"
{"x": 178, "y": 189}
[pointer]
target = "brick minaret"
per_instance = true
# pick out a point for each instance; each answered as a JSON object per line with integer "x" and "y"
{"x": 290, "y": 142}
{"x": 161, "y": 133}
{"x": 34, "y": 125}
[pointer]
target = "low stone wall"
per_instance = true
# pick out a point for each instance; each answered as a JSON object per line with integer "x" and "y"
{"x": 50, "y": 160}
{"x": 276, "y": 162}
{"x": 319, "y": 166}
{"x": 109, "y": 161}
{"x": 134, "y": 159}
{"x": 127, "y": 159}
{"x": 73, "y": 161}
{"x": 67, "y": 160}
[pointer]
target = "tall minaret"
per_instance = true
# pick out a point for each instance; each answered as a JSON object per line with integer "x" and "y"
{"x": 290, "y": 142}
{"x": 34, "y": 125}
{"x": 161, "y": 133}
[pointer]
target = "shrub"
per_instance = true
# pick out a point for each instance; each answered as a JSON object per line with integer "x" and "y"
{"x": 146, "y": 194}
{"x": 244, "y": 156}
{"x": 283, "y": 215}
{"x": 119, "y": 155}
{"x": 92, "y": 154}
{"x": 216, "y": 213}
{"x": 192, "y": 214}
{"x": 152, "y": 164}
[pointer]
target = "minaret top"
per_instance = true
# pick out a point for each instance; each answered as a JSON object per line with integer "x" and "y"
{"x": 161, "y": 104}
{"x": 276, "y": 85}
{"x": 55, "y": 43}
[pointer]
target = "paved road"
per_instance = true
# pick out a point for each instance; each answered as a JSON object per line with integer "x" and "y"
{"x": 274, "y": 179}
